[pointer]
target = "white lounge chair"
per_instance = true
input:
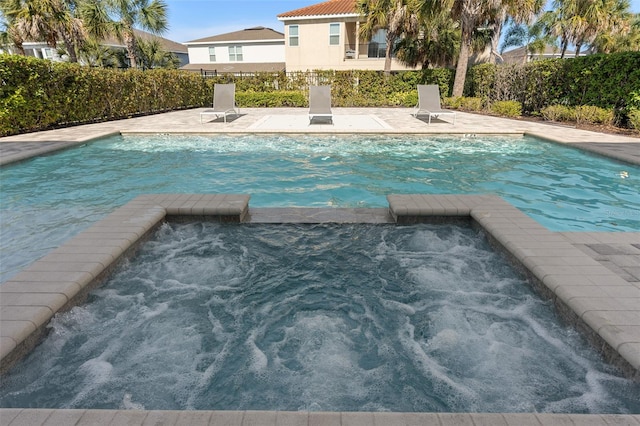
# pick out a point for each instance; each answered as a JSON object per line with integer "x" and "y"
{"x": 224, "y": 101}
{"x": 429, "y": 102}
{"x": 320, "y": 102}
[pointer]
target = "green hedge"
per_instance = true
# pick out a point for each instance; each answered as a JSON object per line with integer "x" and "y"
{"x": 38, "y": 94}
{"x": 282, "y": 98}
{"x": 605, "y": 81}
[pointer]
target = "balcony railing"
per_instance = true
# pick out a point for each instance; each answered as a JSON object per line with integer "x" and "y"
{"x": 366, "y": 50}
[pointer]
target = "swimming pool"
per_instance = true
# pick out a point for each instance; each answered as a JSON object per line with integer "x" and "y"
{"x": 317, "y": 317}
{"x": 50, "y": 198}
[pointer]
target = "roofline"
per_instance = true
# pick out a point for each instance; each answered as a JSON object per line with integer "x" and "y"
{"x": 191, "y": 43}
{"x": 337, "y": 15}
{"x": 34, "y": 44}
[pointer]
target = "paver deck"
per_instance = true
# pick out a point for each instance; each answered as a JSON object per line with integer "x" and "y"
{"x": 592, "y": 277}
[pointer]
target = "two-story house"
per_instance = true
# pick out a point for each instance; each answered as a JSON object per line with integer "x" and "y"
{"x": 325, "y": 36}
{"x": 42, "y": 50}
{"x": 249, "y": 50}
{"x": 522, "y": 55}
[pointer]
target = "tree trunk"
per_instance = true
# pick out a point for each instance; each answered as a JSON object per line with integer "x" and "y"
{"x": 495, "y": 38}
{"x": 130, "y": 42}
{"x": 563, "y": 47}
{"x": 461, "y": 68}
{"x": 387, "y": 55}
{"x": 71, "y": 49}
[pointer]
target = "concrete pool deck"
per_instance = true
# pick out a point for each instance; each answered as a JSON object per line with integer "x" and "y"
{"x": 593, "y": 278}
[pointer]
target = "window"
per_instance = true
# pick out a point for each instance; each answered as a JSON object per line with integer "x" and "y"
{"x": 334, "y": 34}
{"x": 293, "y": 35}
{"x": 212, "y": 54}
{"x": 235, "y": 53}
{"x": 47, "y": 53}
{"x": 378, "y": 44}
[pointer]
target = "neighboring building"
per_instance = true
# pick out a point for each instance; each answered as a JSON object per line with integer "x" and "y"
{"x": 178, "y": 49}
{"x": 43, "y": 51}
{"x": 326, "y": 36}
{"x": 249, "y": 50}
{"x": 520, "y": 55}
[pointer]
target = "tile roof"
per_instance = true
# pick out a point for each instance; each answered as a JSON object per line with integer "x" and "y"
{"x": 248, "y": 34}
{"x": 331, "y": 7}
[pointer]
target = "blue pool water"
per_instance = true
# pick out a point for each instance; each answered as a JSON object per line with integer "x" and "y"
{"x": 48, "y": 199}
{"x": 326, "y": 317}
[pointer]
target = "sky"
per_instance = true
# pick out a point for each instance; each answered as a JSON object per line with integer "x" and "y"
{"x": 194, "y": 19}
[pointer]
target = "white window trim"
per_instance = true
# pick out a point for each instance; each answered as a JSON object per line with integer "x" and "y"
{"x": 212, "y": 50}
{"x": 296, "y": 36}
{"x": 234, "y": 52}
{"x": 331, "y": 35}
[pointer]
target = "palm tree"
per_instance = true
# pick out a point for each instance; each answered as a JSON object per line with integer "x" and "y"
{"x": 516, "y": 11}
{"x": 70, "y": 28}
{"x": 10, "y": 38}
{"x": 603, "y": 17}
{"x": 624, "y": 38}
{"x": 531, "y": 37}
{"x": 96, "y": 54}
{"x": 48, "y": 20}
{"x": 437, "y": 44}
{"x": 470, "y": 14}
{"x": 30, "y": 20}
{"x": 119, "y": 17}
{"x": 397, "y": 17}
{"x": 556, "y": 26}
{"x": 580, "y": 22}
{"x": 152, "y": 55}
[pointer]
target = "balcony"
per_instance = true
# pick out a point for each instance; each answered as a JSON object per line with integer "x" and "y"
{"x": 371, "y": 50}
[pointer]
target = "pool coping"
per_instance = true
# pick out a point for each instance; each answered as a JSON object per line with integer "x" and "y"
{"x": 52, "y": 417}
{"x": 591, "y": 297}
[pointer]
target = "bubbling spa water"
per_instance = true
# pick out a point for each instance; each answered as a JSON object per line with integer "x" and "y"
{"x": 316, "y": 317}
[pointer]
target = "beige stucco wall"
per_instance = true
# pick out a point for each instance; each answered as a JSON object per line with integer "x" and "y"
{"x": 315, "y": 53}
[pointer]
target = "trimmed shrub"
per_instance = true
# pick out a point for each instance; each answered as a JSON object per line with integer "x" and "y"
{"x": 405, "y": 99}
{"x": 471, "y": 104}
{"x": 507, "y": 108}
{"x": 634, "y": 118}
{"x": 453, "y": 102}
{"x": 463, "y": 103}
{"x": 288, "y": 98}
{"x": 558, "y": 113}
{"x": 480, "y": 81}
{"x": 588, "y": 114}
